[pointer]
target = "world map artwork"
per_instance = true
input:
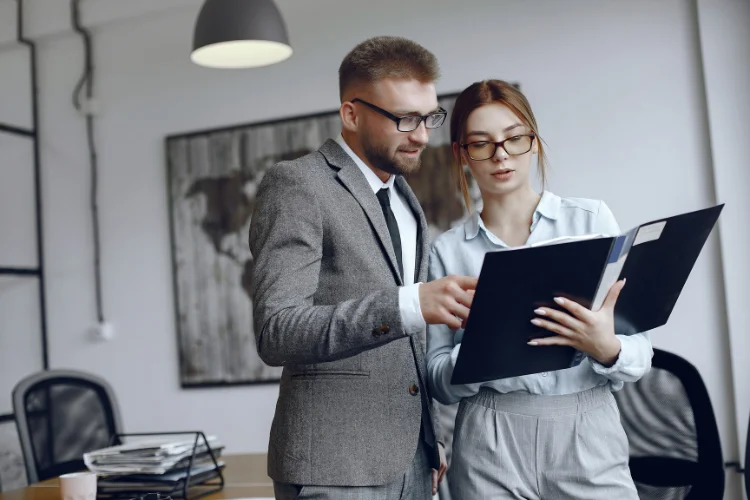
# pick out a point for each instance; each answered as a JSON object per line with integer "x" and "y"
{"x": 212, "y": 179}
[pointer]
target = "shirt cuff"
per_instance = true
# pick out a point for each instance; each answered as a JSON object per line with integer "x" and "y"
{"x": 454, "y": 354}
{"x": 624, "y": 359}
{"x": 472, "y": 388}
{"x": 411, "y": 311}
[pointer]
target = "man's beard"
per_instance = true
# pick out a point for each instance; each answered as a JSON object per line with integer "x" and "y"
{"x": 379, "y": 157}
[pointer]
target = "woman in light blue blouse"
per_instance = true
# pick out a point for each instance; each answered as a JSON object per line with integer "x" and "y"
{"x": 548, "y": 435}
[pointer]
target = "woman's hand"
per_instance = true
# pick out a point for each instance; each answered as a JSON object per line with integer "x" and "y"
{"x": 585, "y": 330}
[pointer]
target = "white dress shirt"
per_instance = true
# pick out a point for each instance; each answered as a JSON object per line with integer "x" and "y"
{"x": 411, "y": 312}
{"x": 460, "y": 251}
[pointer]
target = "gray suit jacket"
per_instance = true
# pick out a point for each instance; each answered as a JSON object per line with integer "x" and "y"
{"x": 325, "y": 297}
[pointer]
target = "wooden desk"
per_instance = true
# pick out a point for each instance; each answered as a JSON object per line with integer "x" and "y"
{"x": 244, "y": 477}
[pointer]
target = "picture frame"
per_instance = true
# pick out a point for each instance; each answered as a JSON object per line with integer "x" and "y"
{"x": 212, "y": 176}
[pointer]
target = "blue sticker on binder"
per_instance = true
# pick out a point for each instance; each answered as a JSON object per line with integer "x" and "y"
{"x": 614, "y": 255}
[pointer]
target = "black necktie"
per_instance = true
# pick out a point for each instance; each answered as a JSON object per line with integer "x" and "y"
{"x": 390, "y": 220}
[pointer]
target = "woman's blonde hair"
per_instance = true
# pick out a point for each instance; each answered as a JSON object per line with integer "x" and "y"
{"x": 489, "y": 92}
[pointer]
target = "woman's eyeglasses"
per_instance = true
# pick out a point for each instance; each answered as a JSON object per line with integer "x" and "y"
{"x": 514, "y": 146}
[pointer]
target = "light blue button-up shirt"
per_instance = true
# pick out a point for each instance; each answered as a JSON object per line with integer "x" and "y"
{"x": 460, "y": 251}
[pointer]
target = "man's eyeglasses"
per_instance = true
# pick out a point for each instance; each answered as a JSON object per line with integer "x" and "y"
{"x": 514, "y": 146}
{"x": 409, "y": 122}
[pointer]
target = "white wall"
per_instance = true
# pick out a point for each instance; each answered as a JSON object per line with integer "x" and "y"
{"x": 617, "y": 88}
{"x": 725, "y": 46}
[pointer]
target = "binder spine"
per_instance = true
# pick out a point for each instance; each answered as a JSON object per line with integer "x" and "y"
{"x": 618, "y": 255}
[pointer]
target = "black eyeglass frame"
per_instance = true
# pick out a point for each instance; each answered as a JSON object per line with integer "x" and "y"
{"x": 500, "y": 144}
{"x": 422, "y": 118}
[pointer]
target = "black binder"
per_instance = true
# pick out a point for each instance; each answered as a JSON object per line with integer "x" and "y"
{"x": 656, "y": 258}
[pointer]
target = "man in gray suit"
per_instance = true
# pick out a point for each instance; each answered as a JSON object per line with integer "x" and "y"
{"x": 340, "y": 247}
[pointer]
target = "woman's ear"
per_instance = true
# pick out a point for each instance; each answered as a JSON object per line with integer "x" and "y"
{"x": 458, "y": 154}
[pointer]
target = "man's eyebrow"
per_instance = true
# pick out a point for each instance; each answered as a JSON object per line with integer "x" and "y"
{"x": 401, "y": 112}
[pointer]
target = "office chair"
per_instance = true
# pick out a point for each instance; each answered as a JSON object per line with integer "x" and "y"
{"x": 675, "y": 451}
{"x": 12, "y": 471}
{"x": 62, "y": 414}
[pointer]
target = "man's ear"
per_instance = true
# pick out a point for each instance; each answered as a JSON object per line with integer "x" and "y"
{"x": 349, "y": 118}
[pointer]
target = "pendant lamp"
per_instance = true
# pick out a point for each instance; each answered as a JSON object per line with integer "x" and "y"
{"x": 239, "y": 34}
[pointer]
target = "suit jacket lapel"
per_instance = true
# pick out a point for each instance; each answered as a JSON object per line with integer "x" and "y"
{"x": 356, "y": 183}
{"x": 423, "y": 240}
{"x": 420, "y": 269}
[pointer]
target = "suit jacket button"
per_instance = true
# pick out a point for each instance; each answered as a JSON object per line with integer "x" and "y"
{"x": 381, "y": 330}
{"x": 413, "y": 389}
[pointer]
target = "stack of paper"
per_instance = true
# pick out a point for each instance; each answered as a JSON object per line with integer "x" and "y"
{"x": 155, "y": 455}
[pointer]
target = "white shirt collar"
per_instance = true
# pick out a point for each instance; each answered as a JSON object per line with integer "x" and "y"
{"x": 373, "y": 180}
{"x": 549, "y": 207}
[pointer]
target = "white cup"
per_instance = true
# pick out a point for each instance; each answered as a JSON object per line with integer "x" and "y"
{"x": 78, "y": 486}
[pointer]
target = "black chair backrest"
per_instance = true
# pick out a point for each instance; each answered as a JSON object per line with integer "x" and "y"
{"x": 61, "y": 415}
{"x": 675, "y": 450}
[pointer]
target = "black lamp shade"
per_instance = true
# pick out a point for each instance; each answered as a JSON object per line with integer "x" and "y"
{"x": 239, "y": 34}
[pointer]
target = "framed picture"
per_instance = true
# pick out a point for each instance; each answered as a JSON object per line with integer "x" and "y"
{"x": 212, "y": 176}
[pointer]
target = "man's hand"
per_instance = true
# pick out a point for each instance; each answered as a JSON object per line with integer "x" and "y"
{"x": 447, "y": 301}
{"x": 437, "y": 475}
